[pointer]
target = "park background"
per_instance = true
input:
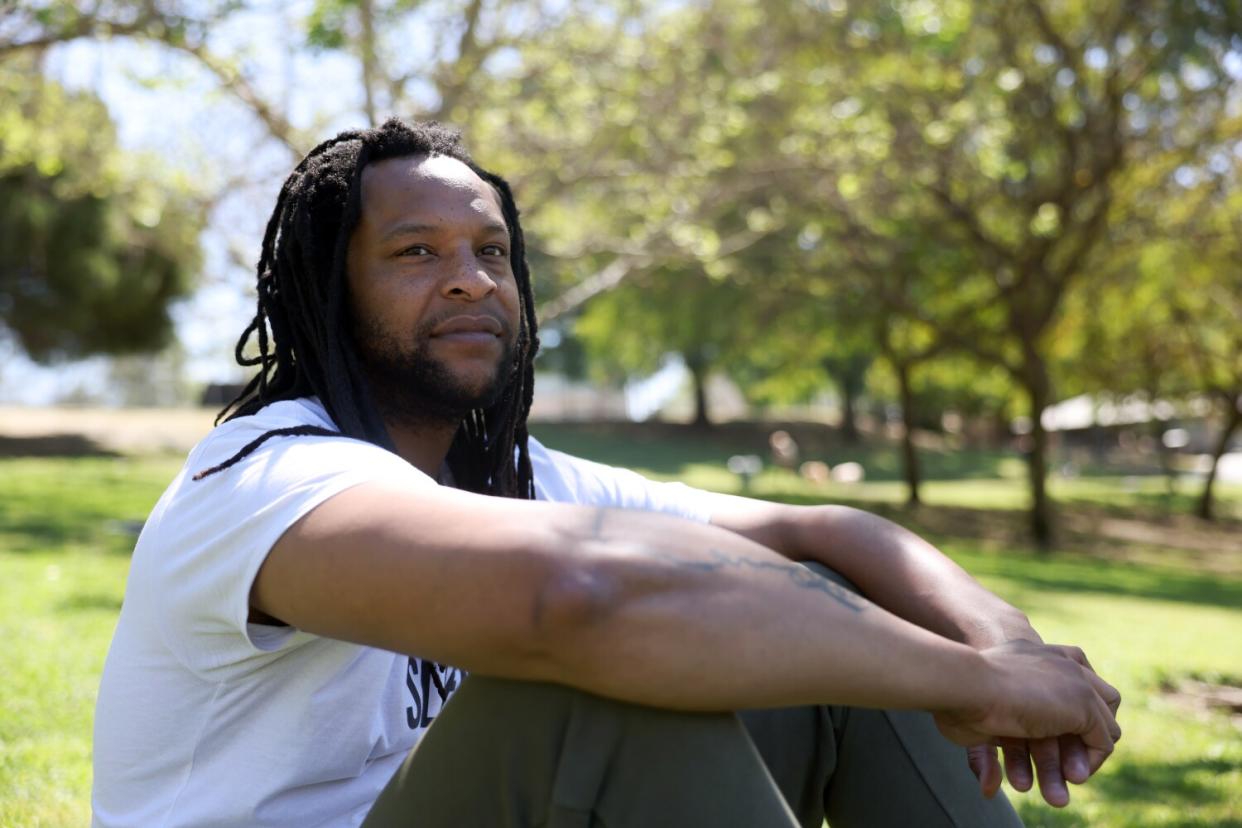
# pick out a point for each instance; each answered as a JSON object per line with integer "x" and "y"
{"x": 976, "y": 266}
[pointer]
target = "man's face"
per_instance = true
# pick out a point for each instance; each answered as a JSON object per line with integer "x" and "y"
{"x": 434, "y": 301}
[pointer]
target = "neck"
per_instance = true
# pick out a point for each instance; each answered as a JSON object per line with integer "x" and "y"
{"x": 424, "y": 445}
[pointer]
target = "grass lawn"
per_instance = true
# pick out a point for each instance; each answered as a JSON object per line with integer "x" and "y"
{"x": 66, "y": 527}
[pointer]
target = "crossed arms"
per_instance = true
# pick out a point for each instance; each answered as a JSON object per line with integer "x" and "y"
{"x": 670, "y": 613}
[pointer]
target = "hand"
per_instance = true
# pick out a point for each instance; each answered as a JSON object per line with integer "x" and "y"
{"x": 1056, "y": 760}
{"x": 1059, "y": 755}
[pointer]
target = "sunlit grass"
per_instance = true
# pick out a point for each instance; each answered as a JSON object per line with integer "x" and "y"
{"x": 1010, "y": 492}
{"x": 1139, "y": 625}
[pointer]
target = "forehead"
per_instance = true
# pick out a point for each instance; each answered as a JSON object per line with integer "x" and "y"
{"x": 429, "y": 189}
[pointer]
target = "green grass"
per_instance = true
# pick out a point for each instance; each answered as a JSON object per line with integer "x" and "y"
{"x": 66, "y": 526}
{"x": 1140, "y": 625}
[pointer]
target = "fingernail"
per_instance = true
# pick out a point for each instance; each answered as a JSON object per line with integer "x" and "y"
{"x": 1079, "y": 769}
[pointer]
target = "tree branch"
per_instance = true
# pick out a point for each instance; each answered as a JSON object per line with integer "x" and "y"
{"x": 604, "y": 280}
{"x": 239, "y": 86}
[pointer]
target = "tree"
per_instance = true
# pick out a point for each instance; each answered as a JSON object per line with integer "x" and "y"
{"x": 665, "y": 310}
{"x": 1168, "y": 319}
{"x": 93, "y": 249}
{"x": 1006, "y": 132}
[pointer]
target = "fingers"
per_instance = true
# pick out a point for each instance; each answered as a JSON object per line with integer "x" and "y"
{"x": 1017, "y": 764}
{"x": 986, "y": 767}
{"x": 1046, "y": 754}
{"x": 1075, "y": 654}
{"x": 1110, "y": 695}
{"x": 1111, "y": 698}
{"x": 1105, "y": 690}
{"x": 1075, "y": 766}
{"x": 1101, "y": 736}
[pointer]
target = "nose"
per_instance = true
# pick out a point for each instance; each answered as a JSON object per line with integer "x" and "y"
{"x": 468, "y": 278}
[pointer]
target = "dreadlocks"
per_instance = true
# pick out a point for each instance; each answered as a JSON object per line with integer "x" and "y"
{"x": 301, "y": 325}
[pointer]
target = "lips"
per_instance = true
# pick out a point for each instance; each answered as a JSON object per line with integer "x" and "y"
{"x": 466, "y": 324}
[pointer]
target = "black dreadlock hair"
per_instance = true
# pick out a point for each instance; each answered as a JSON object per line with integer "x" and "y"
{"x": 302, "y": 300}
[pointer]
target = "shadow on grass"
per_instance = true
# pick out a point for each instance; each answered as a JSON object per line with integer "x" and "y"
{"x": 974, "y": 530}
{"x": 1065, "y": 574}
{"x": 1169, "y": 783}
{"x": 91, "y": 601}
{"x": 667, "y": 448}
{"x": 1181, "y": 786}
{"x": 21, "y": 531}
{"x": 1155, "y": 506}
{"x": 52, "y": 445}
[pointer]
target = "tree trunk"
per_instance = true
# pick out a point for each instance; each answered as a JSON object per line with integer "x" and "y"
{"x": 1039, "y": 390}
{"x": 849, "y": 425}
{"x": 366, "y": 13}
{"x": 910, "y": 457}
{"x": 848, "y": 373}
{"x": 1156, "y": 430}
{"x": 1232, "y": 421}
{"x": 698, "y": 373}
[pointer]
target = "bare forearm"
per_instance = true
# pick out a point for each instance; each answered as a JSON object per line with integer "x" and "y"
{"x": 906, "y": 574}
{"x": 892, "y": 566}
{"x": 631, "y": 605}
{"x": 645, "y": 608}
{"x": 700, "y": 619}
{"x": 694, "y": 617}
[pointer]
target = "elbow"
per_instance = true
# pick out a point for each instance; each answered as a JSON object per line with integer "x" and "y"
{"x": 576, "y": 596}
{"x": 576, "y": 615}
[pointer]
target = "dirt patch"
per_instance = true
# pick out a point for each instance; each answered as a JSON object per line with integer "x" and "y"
{"x": 52, "y": 445}
{"x": 1206, "y": 546}
{"x": 1206, "y": 697}
{"x": 103, "y": 430}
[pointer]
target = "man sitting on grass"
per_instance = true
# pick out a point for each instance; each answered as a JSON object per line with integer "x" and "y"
{"x": 372, "y": 533}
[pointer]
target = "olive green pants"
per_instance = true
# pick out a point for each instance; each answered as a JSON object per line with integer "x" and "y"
{"x": 509, "y": 754}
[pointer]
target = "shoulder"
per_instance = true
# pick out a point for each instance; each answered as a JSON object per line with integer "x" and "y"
{"x": 251, "y": 463}
{"x": 564, "y": 478}
{"x": 287, "y": 434}
{"x": 206, "y": 539}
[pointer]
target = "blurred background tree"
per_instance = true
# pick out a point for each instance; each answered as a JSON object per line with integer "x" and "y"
{"x": 94, "y": 248}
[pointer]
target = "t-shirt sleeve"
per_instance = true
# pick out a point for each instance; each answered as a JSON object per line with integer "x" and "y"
{"x": 202, "y": 548}
{"x": 563, "y": 478}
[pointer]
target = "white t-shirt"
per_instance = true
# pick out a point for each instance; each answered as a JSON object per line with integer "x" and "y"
{"x": 206, "y": 719}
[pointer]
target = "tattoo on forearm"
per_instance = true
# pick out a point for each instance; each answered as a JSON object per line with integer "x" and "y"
{"x": 797, "y": 574}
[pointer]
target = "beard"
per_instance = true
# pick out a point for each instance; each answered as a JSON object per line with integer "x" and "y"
{"x": 412, "y": 387}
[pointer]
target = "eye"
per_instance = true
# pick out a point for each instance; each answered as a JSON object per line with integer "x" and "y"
{"x": 416, "y": 250}
{"x": 493, "y": 250}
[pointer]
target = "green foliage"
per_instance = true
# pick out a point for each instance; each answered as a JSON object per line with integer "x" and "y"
{"x": 93, "y": 248}
{"x": 697, "y": 318}
{"x": 326, "y": 26}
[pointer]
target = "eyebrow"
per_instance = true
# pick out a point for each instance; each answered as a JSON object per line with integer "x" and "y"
{"x": 415, "y": 228}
